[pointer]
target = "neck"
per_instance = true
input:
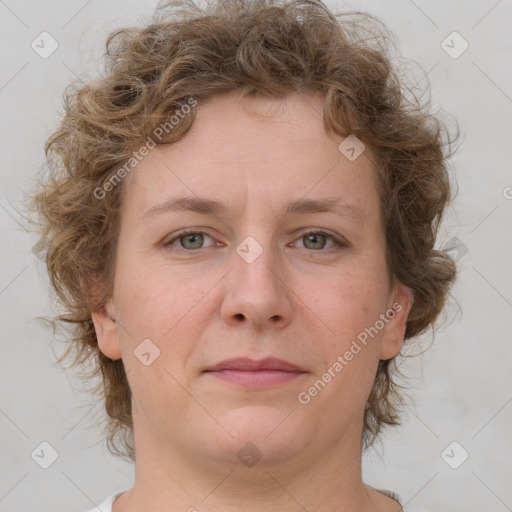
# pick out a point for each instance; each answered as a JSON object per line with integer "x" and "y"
{"x": 175, "y": 478}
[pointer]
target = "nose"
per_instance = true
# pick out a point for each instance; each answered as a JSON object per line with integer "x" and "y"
{"x": 257, "y": 289}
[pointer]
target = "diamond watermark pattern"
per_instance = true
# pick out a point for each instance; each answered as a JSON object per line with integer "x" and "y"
{"x": 351, "y": 147}
{"x": 146, "y": 352}
{"x": 455, "y": 249}
{"x": 44, "y": 455}
{"x": 44, "y": 45}
{"x": 249, "y": 249}
{"x": 40, "y": 249}
{"x": 454, "y": 45}
{"x": 454, "y": 455}
{"x": 249, "y": 455}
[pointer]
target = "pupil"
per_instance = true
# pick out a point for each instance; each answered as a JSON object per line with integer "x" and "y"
{"x": 313, "y": 238}
{"x": 190, "y": 238}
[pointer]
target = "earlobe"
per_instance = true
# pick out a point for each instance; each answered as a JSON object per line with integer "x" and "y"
{"x": 106, "y": 332}
{"x": 394, "y": 331}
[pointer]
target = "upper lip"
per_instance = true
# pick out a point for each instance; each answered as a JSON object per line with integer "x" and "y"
{"x": 247, "y": 364}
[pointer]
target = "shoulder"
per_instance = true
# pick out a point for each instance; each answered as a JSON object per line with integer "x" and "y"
{"x": 393, "y": 495}
{"x": 106, "y": 505}
{"x": 406, "y": 507}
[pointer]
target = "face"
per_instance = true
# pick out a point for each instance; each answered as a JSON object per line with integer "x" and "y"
{"x": 252, "y": 279}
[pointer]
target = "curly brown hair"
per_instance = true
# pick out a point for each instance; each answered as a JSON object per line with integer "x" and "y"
{"x": 253, "y": 47}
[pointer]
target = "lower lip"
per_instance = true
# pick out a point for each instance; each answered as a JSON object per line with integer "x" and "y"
{"x": 256, "y": 379}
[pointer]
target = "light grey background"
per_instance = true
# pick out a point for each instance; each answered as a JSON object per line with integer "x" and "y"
{"x": 462, "y": 385}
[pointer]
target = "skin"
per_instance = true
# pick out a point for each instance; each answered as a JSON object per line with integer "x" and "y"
{"x": 200, "y": 302}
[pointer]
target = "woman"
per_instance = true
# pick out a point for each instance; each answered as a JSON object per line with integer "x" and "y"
{"x": 240, "y": 220}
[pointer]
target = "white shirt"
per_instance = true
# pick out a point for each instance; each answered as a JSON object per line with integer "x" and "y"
{"x": 106, "y": 506}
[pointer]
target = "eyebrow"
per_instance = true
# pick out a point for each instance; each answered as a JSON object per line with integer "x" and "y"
{"x": 206, "y": 206}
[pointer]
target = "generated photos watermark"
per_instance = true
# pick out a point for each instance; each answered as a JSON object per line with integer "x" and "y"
{"x": 304, "y": 397}
{"x": 137, "y": 156}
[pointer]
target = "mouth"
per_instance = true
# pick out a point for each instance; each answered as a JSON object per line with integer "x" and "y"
{"x": 250, "y": 373}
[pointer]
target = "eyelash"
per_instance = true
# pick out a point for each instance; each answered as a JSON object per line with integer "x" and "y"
{"x": 339, "y": 243}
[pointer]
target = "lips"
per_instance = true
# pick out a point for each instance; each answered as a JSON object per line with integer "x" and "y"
{"x": 250, "y": 374}
{"x": 251, "y": 365}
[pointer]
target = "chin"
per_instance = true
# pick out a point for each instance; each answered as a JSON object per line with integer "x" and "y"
{"x": 263, "y": 432}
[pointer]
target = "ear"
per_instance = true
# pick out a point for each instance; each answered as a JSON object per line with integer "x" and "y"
{"x": 401, "y": 302}
{"x": 106, "y": 332}
{"x": 93, "y": 288}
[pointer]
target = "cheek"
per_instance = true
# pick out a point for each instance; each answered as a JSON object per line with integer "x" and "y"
{"x": 148, "y": 299}
{"x": 168, "y": 311}
{"x": 350, "y": 305}
{"x": 350, "y": 354}
{"x": 350, "y": 301}
{"x": 167, "y": 314}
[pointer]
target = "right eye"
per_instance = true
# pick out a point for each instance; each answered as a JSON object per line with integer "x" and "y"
{"x": 189, "y": 240}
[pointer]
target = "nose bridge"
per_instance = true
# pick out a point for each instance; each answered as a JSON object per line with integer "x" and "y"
{"x": 256, "y": 287}
{"x": 256, "y": 263}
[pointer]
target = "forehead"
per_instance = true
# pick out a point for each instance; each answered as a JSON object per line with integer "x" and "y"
{"x": 262, "y": 152}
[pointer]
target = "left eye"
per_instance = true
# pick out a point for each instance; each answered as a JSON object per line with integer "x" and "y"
{"x": 316, "y": 238}
{"x": 192, "y": 240}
